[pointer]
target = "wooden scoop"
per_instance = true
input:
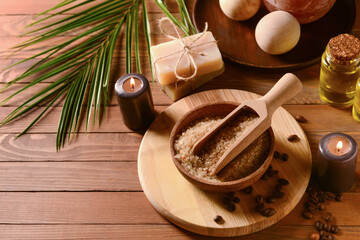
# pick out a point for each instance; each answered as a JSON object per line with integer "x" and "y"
{"x": 287, "y": 87}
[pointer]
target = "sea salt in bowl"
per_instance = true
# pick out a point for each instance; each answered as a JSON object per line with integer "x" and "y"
{"x": 241, "y": 172}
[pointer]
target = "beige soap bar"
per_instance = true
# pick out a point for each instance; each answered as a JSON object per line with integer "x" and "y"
{"x": 209, "y": 60}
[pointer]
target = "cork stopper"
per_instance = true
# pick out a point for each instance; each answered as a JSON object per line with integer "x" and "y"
{"x": 344, "y": 47}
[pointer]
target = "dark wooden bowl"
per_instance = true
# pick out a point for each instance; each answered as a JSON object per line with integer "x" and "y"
{"x": 221, "y": 108}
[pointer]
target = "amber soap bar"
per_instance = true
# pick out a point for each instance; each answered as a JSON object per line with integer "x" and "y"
{"x": 208, "y": 60}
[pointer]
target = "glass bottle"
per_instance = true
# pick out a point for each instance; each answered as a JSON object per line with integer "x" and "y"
{"x": 356, "y": 106}
{"x": 339, "y": 71}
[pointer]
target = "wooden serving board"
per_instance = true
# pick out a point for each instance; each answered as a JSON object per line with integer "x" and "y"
{"x": 193, "y": 209}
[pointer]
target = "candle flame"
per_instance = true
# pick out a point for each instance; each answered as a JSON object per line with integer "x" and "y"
{"x": 132, "y": 84}
{"x": 339, "y": 146}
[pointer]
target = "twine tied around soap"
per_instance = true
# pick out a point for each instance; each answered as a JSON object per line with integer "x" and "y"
{"x": 186, "y": 51}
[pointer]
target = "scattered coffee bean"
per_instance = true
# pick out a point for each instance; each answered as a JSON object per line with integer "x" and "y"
{"x": 314, "y": 236}
{"x": 219, "y": 219}
{"x": 328, "y": 217}
{"x": 300, "y": 119}
{"x": 278, "y": 194}
{"x": 270, "y": 199}
{"x": 314, "y": 200}
{"x": 277, "y": 155}
{"x": 319, "y": 225}
{"x": 284, "y": 157}
{"x": 307, "y": 215}
{"x": 327, "y": 227}
{"x": 283, "y": 181}
{"x": 293, "y": 138}
{"x": 260, "y": 207}
{"x": 331, "y": 237}
{"x": 322, "y": 233}
{"x": 269, "y": 212}
{"x": 320, "y": 206}
{"x": 278, "y": 187}
{"x": 273, "y": 172}
{"x": 313, "y": 194}
{"x": 259, "y": 199}
{"x": 334, "y": 229}
{"x": 338, "y": 197}
{"x": 312, "y": 208}
{"x": 329, "y": 196}
{"x": 248, "y": 190}
{"x": 231, "y": 207}
{"x": 226, "y": 200}
{"x": 236, "y": 200}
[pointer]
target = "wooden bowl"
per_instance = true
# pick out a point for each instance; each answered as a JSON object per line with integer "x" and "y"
{"x": 222, "y": 109}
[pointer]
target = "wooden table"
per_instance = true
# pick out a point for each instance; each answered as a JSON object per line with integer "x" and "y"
{"x": 90, "y": 189}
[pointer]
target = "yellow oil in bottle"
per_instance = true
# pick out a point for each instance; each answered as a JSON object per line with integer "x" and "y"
{"x": 338, "y": 81}
{"x": 339, "y": 71}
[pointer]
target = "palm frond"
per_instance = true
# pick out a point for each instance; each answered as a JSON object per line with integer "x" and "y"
{"x": 81, "y": 65}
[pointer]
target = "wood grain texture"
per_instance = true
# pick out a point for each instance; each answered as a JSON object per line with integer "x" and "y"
{"x": 193, "y": 209}
{"x": 149, "y": 232}
{"x": 90, "y": 189}
{"x": 69, "y": 176}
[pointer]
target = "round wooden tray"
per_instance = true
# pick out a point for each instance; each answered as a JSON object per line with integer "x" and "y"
{"x": 193, "y": 209}
{"x": 236, "y": 39}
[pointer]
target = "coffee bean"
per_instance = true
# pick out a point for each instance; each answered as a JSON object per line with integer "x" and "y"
{"x": 327, "y": 227}
{"x": 314, "y": 236}
{"x": 277, "y": 155}
{"x": 321, "y": 197}
{"x": 265, "y": 176}
{"x": 300, "y": 119}
{"x": 338, "y": 197}
{"x": 218, "y": 219}
{"x": 231, "y": 207}
{"x": 283, "y": 181}
{"x": 328, "y": 217}
{"x": 273, "y": 173}
{"x": 322, "y": 233}
{"x": 236, "y": 200}
{"x": 293, "y": 138}
{"x": 226, "y": 200}
{"x": 270, "y": 199}
{"x": 334, "y": 229}
{"x": 307, "y": 215}
{"x": 259, "y": 199}
{"x": 320, "y": 206}
{"x": 314, "y": 200}
{"x": 313, "y": 194}
{"x": 329, "y": 196}
{"x": 284, "y": 157}
{"x": 324, "y": 238}
{"x": 248, "y": 190}
{"x": 260, "y": 207}
{"x": 278, "y": 194}
{"x": 319, "y": 225}
{"x": 331, "y": 237}
{"x": 312, "y": 208}
{"x": 278, "y": 187}
{"x": 269, "y": 212}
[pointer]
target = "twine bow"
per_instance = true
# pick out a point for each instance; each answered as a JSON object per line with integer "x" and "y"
{"x": 186, "y": 51}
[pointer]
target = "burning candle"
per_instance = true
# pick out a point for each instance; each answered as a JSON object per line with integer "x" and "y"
{"x": 337, "y": 162}
{"x": 135, "y": 101}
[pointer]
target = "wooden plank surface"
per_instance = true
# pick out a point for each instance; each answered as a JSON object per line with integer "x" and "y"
{"x": 90, "y": 189}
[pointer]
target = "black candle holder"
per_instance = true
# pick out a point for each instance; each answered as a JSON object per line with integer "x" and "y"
{"x": 336, "y": 173}
{"x": 137, "y": 108}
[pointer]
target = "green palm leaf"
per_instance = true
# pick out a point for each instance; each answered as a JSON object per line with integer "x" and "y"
{"x": 82, "y": 72}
